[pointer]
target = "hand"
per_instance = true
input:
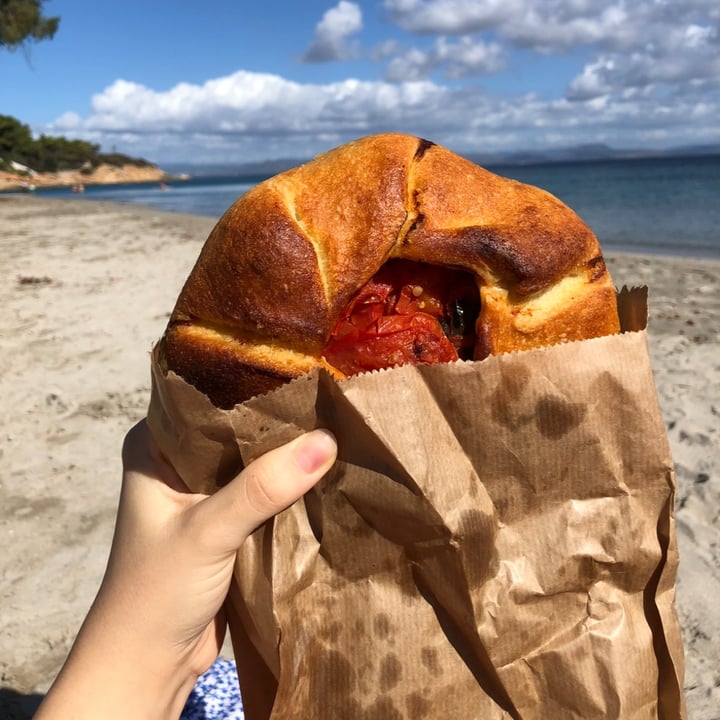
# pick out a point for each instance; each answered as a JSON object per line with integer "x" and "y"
{"x": 157, "y": 623}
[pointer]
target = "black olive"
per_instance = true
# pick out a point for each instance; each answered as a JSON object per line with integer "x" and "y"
{"x": 457, "y": 318}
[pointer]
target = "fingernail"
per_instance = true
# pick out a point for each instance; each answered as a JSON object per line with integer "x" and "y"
{"x": 314, "y": 450}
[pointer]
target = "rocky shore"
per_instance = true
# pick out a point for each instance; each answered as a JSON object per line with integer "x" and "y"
{"x": 101, "y": 175}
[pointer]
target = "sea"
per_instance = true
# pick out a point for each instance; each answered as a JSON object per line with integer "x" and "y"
{"x": 668, "y": 205}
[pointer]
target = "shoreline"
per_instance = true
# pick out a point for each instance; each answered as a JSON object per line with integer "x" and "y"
{"x": 692, "y": 253}
{"x": 194, "y": 199}
{"x": 89, "y": 287}
{"x": 102, "y": 175}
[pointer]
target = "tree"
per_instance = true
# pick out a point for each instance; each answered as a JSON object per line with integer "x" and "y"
{"x": 16, "y": 141}
{"x": 22, "y": 21}
{"x": 50, "y": 154}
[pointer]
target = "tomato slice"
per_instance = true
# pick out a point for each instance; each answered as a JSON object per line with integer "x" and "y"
{"x": 403, "y": 315}
{"x": 397, "y": 340}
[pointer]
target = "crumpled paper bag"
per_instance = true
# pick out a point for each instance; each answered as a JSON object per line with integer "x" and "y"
{"x": 496, "y": 539}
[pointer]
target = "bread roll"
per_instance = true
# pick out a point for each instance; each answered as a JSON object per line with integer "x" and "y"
{"x": 279, "y": 273}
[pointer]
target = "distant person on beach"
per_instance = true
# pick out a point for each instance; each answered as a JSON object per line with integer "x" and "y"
{"x": 157, "y": 624}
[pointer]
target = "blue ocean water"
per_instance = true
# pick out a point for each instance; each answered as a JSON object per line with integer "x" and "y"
{"x": 647, "y": 205}
{"x": 668, "y": 205}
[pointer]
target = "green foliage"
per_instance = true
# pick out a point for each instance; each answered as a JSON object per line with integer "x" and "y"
{"x": 56, "y": 153}
{"x": 50, "y": 154}
{"x": 119, "y": 159}
{"x": 22, "y": 21}
{"x": 15, "y": 139}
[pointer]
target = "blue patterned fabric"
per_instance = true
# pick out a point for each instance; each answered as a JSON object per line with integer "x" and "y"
{"x": 216, "y": 696}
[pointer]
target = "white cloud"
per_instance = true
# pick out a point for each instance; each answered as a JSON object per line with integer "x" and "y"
{"x": 556, "y": 25}
{"x": 451, "y": 17}
{"x": 247, "y": 116}
{"x": 69, "y": 121}
{"x": 651, "y": 73}
{"x": 655, "y": 48}
{"x": 385, "y": 50}
{"x": 592, "y": 82}
{"x": 679, "y": 55}
{"x": 332, "y": 32}
{"x": 466, "y": 57}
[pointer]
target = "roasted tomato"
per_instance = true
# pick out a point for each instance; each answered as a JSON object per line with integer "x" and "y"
{"x": 407, "y": 313}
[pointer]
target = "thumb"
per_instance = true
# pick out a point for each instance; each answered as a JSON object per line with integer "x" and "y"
{"x": 265, "y": 487}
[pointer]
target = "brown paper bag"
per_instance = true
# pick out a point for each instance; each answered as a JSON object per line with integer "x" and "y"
{"x": 496, "y": 539}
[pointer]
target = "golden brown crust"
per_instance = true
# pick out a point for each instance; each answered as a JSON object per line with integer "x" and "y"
{"x": 499, "y": 228}
{"x": 287, "y": 257}
{"x": 225, "y": 368}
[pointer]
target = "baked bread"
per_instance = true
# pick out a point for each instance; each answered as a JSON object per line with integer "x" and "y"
{"x": 291, "y": 270}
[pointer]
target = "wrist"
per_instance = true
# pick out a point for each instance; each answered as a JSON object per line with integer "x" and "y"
{"x": 115, "y": 670}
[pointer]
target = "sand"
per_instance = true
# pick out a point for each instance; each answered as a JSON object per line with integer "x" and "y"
{"x": 86, "y": 290}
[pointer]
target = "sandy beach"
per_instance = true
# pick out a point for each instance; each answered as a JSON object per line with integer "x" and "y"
{"x": 87, "y": 288}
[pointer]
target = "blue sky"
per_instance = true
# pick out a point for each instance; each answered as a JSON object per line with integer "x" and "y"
{"x": 179, "y": 81}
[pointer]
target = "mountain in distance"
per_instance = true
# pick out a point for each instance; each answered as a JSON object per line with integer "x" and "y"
{"x": 579, "y": 153}
{"x": 254, "y": 170}
{"x": 588, "y": 153}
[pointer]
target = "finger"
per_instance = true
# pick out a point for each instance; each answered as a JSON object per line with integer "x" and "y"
{"x": 152, "y": 492}
{"x": 265, "y": 487}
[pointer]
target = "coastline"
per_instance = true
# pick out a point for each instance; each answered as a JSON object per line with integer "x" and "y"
{"x": 89, "y": 287}
{"x": 102, "y": 175}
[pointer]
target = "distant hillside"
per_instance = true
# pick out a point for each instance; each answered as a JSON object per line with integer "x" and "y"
{"x": 579, "y": 153}
{"x": 588, "y": 153}
{"x": 22, "y": 154}
{"x": 101, "y": 175}
{"x": 255, "y": 170}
